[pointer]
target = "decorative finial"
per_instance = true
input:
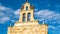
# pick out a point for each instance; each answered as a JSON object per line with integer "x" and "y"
{"x": 26, "y": 0}
{"x": 43, "y": 22}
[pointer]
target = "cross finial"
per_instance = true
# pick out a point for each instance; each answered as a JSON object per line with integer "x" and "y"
{"x": 26, "y": 0}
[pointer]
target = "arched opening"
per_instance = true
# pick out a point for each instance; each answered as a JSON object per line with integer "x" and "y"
{"x": 28, "y": 17}
{"x": 26, "y": 7}
{"x": 24, "y": 17}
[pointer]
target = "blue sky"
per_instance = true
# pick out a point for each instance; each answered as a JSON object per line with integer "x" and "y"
{"x": 45, "y": 10}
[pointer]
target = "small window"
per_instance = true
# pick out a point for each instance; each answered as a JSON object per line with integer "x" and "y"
{"x": 24, "y": 17}
{"x": 26, "y": 7}
{"x": 28, "y": 17}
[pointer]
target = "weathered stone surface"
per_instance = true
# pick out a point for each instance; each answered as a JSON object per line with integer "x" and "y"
{"x": 28, "y": 29}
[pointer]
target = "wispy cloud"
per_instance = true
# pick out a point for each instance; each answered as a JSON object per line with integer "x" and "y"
{"x": 51, "y": 27}
{"x": 48, "y": 15}
{"x": 17, "y": 12}
{"x": 4, "y": 19}
{"x": 4, "y": 14}
{"x": 4, "y": 8}
{"x": 8, "y": 14}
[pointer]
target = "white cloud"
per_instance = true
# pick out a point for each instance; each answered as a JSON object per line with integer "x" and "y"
{"x": 12, "y": 20}
{"x": 17, "y": 12}
{"x": 1, "y": 14}
{"x": 6, "y": 9}
{"x": 4, "y": 14}
{"x": 3, "y": 8}
{"x": 47, "y": 15}
{"x": 51, "y": 27}
{"x": 4, "y": 19}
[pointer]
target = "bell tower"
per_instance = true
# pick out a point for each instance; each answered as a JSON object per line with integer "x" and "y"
{"x": 27, "y": 12}
{"x": 26, "y": 23}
